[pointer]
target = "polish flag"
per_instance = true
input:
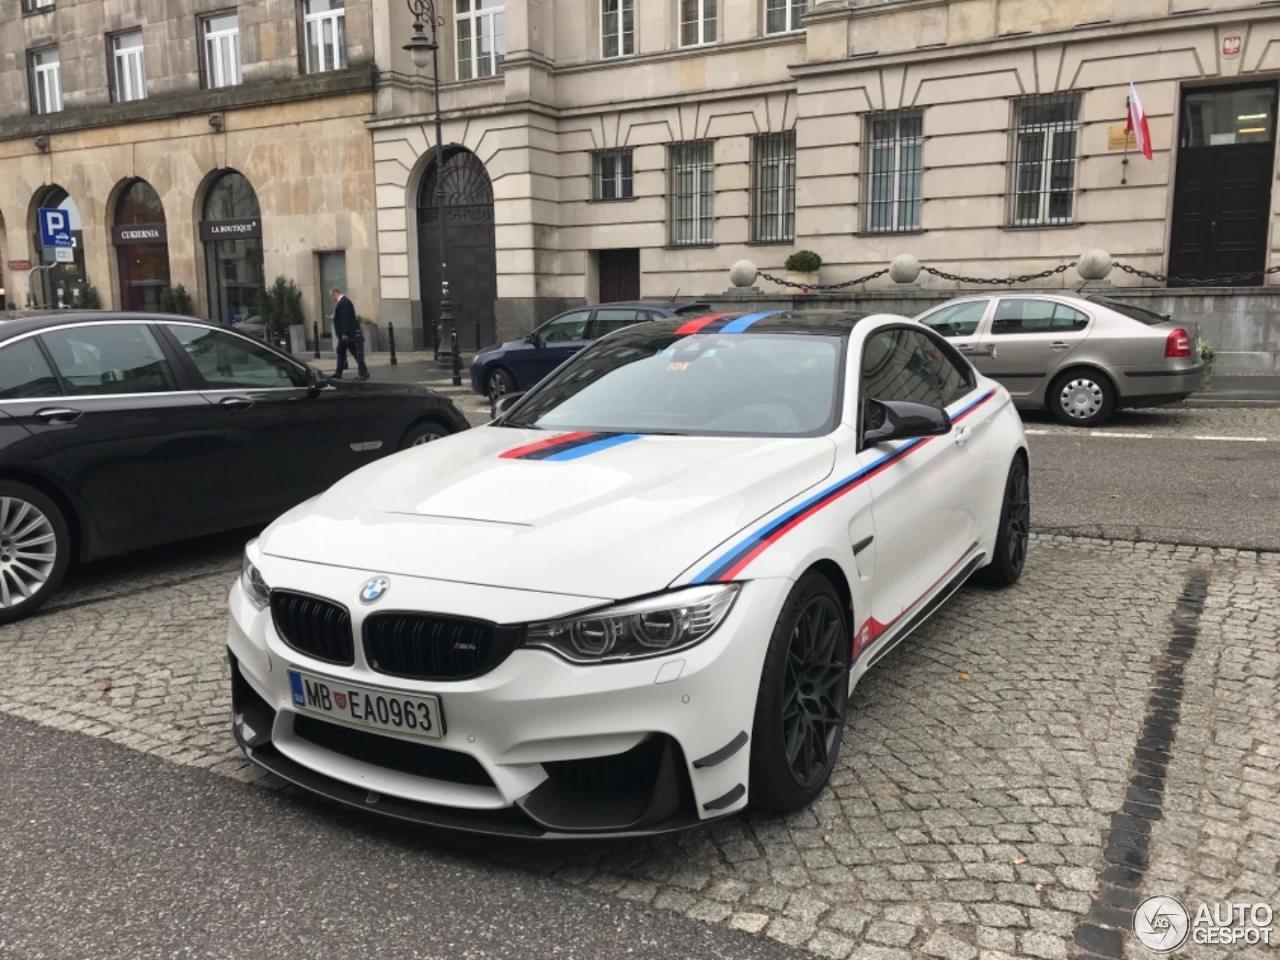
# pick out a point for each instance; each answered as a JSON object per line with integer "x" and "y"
{"x": 1138, "y": 122}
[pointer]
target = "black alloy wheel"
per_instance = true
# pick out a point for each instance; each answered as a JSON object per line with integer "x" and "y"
{"x": 1014, "y": 536}
{"x": 804, "y": 698}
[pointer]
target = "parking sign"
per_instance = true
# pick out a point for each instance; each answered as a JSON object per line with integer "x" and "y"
{"x": 55, "y": 228}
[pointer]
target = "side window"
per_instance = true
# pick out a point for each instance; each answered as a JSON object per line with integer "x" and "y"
{"x": 229, "y": 362}
{"x": 109, "y": 359}
{"x": 609, "y": 319}
{"x": 957, "y": 320}
{"x": 1036, "y": 316}
{"x": 907, "y": 365}
{"x": 572, "y": 326}
{"x": 24, "y": 372}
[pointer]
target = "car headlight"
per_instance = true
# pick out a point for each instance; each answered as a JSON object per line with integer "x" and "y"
{"x": 255, "y": 587}
{"x": 652, "y": 627}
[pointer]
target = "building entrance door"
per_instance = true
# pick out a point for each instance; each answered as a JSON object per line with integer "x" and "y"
{"x": 1222, "y": 196}
{"x": 619, "y": 275}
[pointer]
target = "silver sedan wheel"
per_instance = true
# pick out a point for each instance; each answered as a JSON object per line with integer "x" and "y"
{"x": 1081, "y": 398}
{"x": 28, "y": 550}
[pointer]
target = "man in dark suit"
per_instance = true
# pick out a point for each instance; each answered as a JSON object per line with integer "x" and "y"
{"x": 346, "y": 329}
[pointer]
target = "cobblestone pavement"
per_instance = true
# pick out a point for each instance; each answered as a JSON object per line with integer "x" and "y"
{"x": 975, "y": 810}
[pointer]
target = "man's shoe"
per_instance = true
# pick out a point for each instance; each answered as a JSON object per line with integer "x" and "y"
{"x": 364, "y": 376}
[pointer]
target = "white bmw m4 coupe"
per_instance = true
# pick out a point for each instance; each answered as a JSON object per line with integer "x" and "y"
{"x": 638, "y": 599}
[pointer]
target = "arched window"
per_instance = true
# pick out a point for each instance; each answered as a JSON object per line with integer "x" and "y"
{"x": 232, "y": 235}
{"x": 64, "y": 284}
{"x": 142, "y": 247}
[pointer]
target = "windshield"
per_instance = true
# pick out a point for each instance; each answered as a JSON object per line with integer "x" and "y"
{"x": 1141, "y": 314}
{"x": 774, "y": 385}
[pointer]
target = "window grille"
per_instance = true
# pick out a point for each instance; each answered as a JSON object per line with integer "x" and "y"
{"x": 894, "y": 150}
{"x": 691, "y": 193}
{"x": 1045, "y": 149}
{"x": 773, "y": 183}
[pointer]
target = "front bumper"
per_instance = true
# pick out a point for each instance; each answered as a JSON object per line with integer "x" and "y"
{"x": 554, "y": 749}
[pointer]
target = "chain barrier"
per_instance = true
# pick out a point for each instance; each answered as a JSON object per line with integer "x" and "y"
{"x": 1224, "y": 280}
{"x": 1006, "y": 281}
{"x": 824, "y": 286}
{"x": 1227, "y": 279}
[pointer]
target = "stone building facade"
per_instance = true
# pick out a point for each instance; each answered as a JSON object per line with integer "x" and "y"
{"x": 191, "y": 142}
{"x": 986, "y": 137}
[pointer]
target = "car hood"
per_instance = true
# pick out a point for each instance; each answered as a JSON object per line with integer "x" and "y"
{"x": 617, "y": 522}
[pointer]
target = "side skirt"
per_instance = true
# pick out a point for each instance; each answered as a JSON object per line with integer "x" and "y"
{"x": 928, "y": 609}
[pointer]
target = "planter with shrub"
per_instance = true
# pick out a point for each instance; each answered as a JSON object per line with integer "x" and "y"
{"x": 803, "y": 267}
{"x": 280, "y": 308}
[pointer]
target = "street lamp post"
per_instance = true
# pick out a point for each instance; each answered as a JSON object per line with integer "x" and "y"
{"x": 423, "y": 48}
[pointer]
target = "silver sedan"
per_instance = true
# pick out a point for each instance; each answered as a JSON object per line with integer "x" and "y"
{"x": 1081, "y": 358}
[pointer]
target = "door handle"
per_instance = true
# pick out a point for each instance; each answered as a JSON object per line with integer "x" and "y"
{"x": 962, "y": 434}
{"x": 59, "y": 415}
{"x": 236, "y": 403}
{"x": 1059, "y": 345}
{"x": 977, "y": 350}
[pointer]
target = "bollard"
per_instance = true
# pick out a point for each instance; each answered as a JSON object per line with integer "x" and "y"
{"x": 457, "y": 360}
{"x": 391, "y": 340}
{"x": 315, "y": 332}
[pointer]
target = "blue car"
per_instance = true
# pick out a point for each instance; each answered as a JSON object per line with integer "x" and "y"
{"x": 517, "y": 365}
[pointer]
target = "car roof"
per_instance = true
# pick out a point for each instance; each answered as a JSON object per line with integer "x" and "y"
{"x": 648, "y": 304}
{"x": 827, "y": 322}
{"x": 18, "y": 322}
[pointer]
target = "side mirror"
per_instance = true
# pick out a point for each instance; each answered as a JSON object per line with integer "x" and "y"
{"x": 506, "y": 402}
{"x": 533, "y": 340}
{"x": 315, "y": 380}
{"x": 901, "y": 420}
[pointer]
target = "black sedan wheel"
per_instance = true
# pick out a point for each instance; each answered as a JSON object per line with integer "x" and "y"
{"x": 1014, "y": 535}
{"x": 35, "y": 548}
{"x": 424, "y": 431}
{"x": 804, "y": 697}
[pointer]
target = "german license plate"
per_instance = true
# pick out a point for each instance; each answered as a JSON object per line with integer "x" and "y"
{"x": 409, "y": 716}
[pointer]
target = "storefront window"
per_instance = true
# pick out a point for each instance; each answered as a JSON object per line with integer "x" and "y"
{"x": 142, "y": 248}
{"x": 232, "y": 235}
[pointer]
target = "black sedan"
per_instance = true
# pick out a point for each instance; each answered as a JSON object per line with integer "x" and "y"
{"x": 121, "y": 431}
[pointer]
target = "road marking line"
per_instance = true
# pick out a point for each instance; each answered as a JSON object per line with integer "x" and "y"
{"x": 1235, "y": 439}
{"x": 1121, "y": 436}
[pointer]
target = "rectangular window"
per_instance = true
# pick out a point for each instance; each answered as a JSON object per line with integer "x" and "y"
{"x": 782, "y": 16}
{"x": 128, "y": 71}
{"x": 697, "y": 22}
{"x": 482, "y": 37}
{"x": 35, "y": 6}
{"x": 46, "y": 80}
{"x": 1045, "y": 147}
{"x": 325, "y": 35}
{"x": 221, "y": 33}
{"x": 894, "y": 164}
{"x": 611, "y": 175}
{"x": 773, "y": 187}
{"x": 617, "y": 28}
{"x": 690, "y": 193}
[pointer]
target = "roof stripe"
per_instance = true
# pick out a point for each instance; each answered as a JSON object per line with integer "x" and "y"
{"x": 742, "y": 323}
{"x": 694, "y": 326}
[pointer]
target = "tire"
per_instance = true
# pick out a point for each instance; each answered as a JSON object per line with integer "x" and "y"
{"x": 792, "y": 756}
{"x": 424, "y": 431}
{"x": 1082, "y": 398}
{"x": 498, "y": 383}
{"x": 35, "y": 549}
{"x": 1013, "y": 537}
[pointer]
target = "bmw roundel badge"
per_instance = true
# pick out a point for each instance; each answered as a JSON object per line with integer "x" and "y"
{"x": 373, "y": 589}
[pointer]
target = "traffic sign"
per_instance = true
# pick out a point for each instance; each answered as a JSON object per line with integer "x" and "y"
{"x": 64, "y": 255}
{"x": 55, "y": 228}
